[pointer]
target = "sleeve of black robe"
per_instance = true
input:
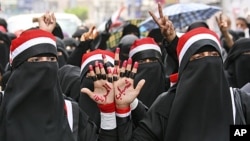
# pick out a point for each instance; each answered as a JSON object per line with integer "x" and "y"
{"x": 245, "y": 102}
{"x": 153, "y": 126}
{"x": 171, "y": 63}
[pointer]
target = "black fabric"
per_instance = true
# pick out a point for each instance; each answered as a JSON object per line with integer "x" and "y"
{"x": 69, "y": 78}
{"x": 62, "y": 59}
{"x": 202, "y": 107}
{"x": 87, "y": 104}
{"x": 150, "y": 53}
{"x": 79, "y": 31}
{"x": 245, "y": 103}
{"x": 131, "y": 29}
{"x": 171, "y": 60}
{"x": 195, "y": 47}
{"x": 155, "y": 84}
{"x": 125, "y": 44}
{"x": 152, "y": 126}
{"x": 197, "y": 24}
{"x": 4, "y": 49}
{"x": 33, "y": 107}
{"x": 71, "y": 42}
{"x": 237, "y": 64}
{"x": 240, "y": 118}
{"x": 75, "y": 57}
{"x": 57, "y": 31}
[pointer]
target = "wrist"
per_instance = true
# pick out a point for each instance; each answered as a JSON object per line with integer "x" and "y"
{"x": 123, "y": 112}
{"x": 107, "y": 108}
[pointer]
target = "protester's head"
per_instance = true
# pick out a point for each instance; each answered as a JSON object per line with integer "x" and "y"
{"x": 197, "y": 24}
{"x": 62, "y": 53}
{"x": 70, "y": 44}
{"x": 79, "y": 31}
{"x": 32, "y": 43}
{"x": 156, "y": 35}
{"x": 148, "y": 54}
{"x": 241, "y": 23}
{"x": 125, "y": 44}
{"x": 4, "y": 25}
{"x": 131, "y": 29}
{"x": 143, "y": 49}
{"x": 237, "y": 63}
{"x": 196, "y": 44}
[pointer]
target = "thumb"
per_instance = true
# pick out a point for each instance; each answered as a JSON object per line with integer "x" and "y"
{"x": 140, "y": 85}
{"x": 87, "y": 91}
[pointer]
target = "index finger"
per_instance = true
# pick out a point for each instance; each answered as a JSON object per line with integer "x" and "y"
{"x": 154, "y": 18}
{"x": 91, "y": 29}
{"x": 160, "y": 10}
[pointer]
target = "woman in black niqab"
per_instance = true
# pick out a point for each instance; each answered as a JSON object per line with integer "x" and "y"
{"x": 202, "y": 107}
{"x": 33, "y": 104}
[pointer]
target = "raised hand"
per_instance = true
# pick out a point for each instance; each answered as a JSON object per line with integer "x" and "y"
{"x": 222, "y": 23}
{"x": 46, "y": 22}
{"x": 103, "y": 87}
{"x": 91, "y": 34}
{"x": 166, "y": 26}
{"x": 125, "y": 93}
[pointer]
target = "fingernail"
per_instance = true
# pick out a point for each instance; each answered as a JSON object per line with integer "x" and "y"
{"x": 117, "y": 50}
{"x": 90, "y": 68}
{"x": 124, "y": 64}
{"x": 129, "y": 61}
{"x": 136, "y": 65}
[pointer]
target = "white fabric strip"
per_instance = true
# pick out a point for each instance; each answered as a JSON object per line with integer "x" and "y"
{"x": 96, "y": 57}
{"x": 108, "y": 121}
{"x": 124, "y": 114}
{"x": 193, "y": 39}
{"x": 144, "y": 47}
{"x": 233, "y": 104}
{"x": 32, "y": 42}
{"x": 69, "y": 113}
{"x": 134, "y": 104}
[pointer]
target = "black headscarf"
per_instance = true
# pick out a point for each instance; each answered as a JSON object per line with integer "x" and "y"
{"x": 69, "y": 77}
{"x": 70, "y": 44}
{"x": 62, "y": 58}
{"x": 33, "y": 104}
{"x": 4, "y": 49}
{"x": 202, "y": 107}
{"x": 237, "y": 64}
{"x": 152, "y": 72}
{"x": 131, "y": 29}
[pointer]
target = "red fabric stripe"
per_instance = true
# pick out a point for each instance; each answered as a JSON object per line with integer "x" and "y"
{"x": 107, "y": 108}
{"x": 122, "y": 110}
{"x": 143, "y": 41}
{"x": 30, "y": 34}
{"x": 174, "y": 77}
{"x": 97, "y": 51}
{"x": 184, "y": 38}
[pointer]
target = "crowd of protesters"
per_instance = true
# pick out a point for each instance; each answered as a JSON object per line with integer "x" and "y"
{"x": 162, "y": 87}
